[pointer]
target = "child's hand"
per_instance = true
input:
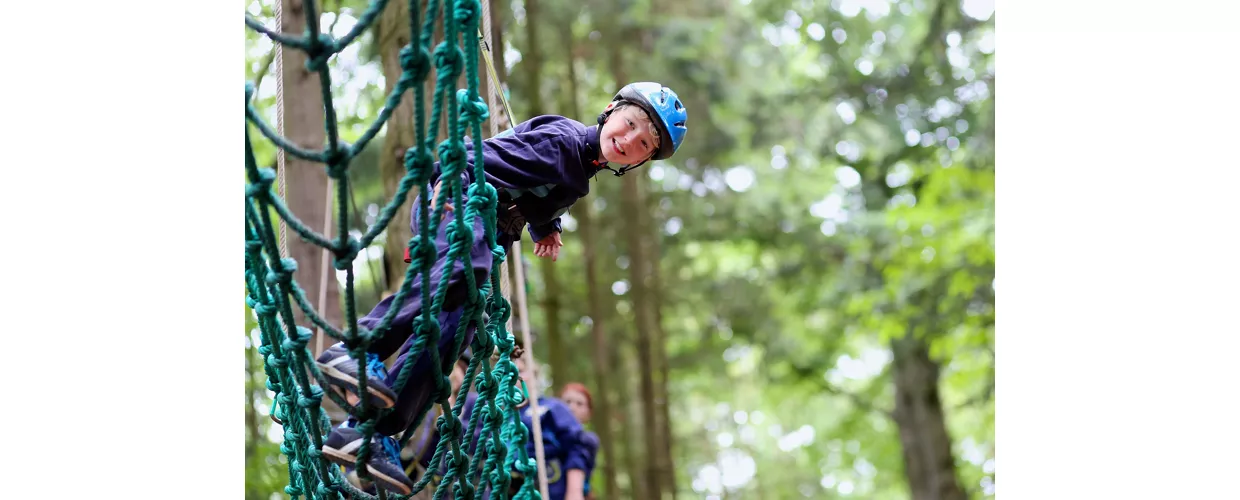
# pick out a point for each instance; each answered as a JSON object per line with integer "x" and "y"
{"x": 549, "y": 246}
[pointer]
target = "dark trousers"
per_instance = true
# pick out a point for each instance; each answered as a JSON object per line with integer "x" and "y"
{"x": 420, "y": 385}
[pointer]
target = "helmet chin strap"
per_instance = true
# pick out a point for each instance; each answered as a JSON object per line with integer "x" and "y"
{"x": 623, "y": 169}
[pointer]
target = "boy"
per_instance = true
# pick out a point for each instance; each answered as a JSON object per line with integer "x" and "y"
{"x": 539, "y": 168}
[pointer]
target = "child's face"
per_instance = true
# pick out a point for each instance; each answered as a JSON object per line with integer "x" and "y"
{"x": 577, "y": 403}
{"x": 626, "y": 137}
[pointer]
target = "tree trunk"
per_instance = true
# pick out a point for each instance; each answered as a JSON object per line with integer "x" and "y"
{"x": 602, "y": 353}
{"x": 633, "y": 227}
{"x": 597, "y": 309}
{"x": 929, "y": 464}
{"x": 306, "y": 182}
{"x": 645, "y": 322}
{"x": 654, "y": 293}
{"x": 629, "y": 419}
{"x": 392, "y": 33}
{"x": 533, "y": 59}
{"x": 560, "y": 372}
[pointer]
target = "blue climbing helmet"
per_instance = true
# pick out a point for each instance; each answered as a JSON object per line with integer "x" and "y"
{"x": 657, "y": 101}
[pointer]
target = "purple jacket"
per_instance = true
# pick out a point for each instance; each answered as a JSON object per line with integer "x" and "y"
{"x": 542, "y": 166}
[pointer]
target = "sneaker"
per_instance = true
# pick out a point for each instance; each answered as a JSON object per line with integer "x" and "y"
{"x": 342, "y": 370}
{"x": 375, "y": 370}
{"x": 384, "y": 467}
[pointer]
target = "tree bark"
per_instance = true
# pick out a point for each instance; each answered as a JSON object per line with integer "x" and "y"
{"x": 306, "y": 181}
{"x": 654, "y": 301}
{"x": 534, "y": 63}
{"x": 628, "y": 417}
{"x": 597, "y": 309}
{"x": 929, "y": 465}
{"x": 392, "y": 33}
{"x": 645, "y": 321}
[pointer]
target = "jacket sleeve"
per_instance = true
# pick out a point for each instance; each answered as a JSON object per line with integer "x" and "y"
{"x": 544, "y": 230}
{"x": 534, "y": 154}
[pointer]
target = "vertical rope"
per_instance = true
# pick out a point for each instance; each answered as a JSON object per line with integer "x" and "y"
{"x": 539, "y": 454}
{"x": 280, "y": 121}
{"x": 495, "y": 84}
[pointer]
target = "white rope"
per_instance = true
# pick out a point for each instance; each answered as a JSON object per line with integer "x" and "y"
{"x": 281, "y": 171}
{"x": 280, "y": 120}
{"x": 487, "y": 44}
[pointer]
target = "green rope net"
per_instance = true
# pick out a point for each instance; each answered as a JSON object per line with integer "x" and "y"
{"x": 272, "y": 290}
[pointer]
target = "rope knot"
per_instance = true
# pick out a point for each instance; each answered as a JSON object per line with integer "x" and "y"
{"x": 299, "y": 340}
{"x": 448, "y": 60}
{"x": 348, "y": 254}
{"x": 418, "y": 159}
{"x": 292, "y": 490}
{"x": 282, "y": 272}
{"x": 428, "y": 330}
{"x": 483, "y": 197}
{"x": 337, "y": 161}
{"x": 472, "y": 107}
{"x": 421, "y": 251}
{"x": 277, "y": 362}
{"x": 266, "y": 177}
{"x": 318, "y": 51}
{"x": 459, "y": 240}
{"x": 416, "y": 63}
{"x": 467, "y": 14}
{"x": 264, "y": 309}
{"x": 311, "y": 400}
{"x": 451, "y": 158}
{"x": 446, "y": 427}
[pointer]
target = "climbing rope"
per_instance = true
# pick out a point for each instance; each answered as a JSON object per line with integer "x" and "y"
{"x": 272, "y": 290}
{"x": 487, "y": 44}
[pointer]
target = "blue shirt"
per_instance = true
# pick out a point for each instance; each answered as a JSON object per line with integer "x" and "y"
{"x": 563, "y": 446}
{"x": 542, "y": 166}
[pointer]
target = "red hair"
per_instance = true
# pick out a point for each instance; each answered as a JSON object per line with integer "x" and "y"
{"x": 574, "y": 386}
